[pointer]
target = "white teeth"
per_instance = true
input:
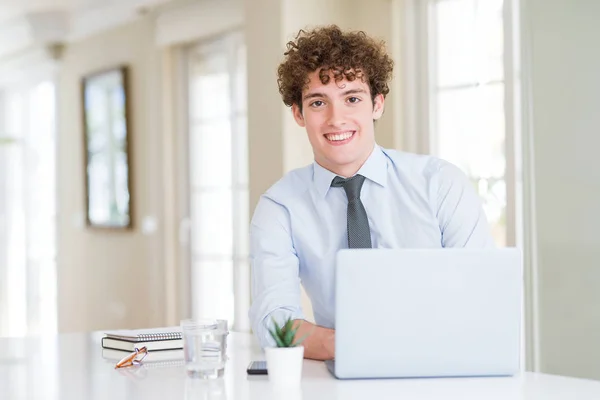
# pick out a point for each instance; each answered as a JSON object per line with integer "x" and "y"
{"x": 337, "y": 137}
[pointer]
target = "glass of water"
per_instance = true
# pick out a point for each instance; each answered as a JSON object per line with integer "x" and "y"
{"x": 204, "y": 347}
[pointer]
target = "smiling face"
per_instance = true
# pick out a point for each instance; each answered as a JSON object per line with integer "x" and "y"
{"x": 338, "y": 117}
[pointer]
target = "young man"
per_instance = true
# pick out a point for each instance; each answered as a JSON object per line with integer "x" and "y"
{"x": 336, "y": 83}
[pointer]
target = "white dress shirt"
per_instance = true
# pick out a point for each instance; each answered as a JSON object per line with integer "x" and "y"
{"x": 412, "y": 201}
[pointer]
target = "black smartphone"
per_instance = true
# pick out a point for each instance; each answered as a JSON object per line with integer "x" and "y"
{"x": 257, "y": 368}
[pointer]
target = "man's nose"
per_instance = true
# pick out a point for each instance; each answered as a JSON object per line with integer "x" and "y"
{"x": 336, "y": 116}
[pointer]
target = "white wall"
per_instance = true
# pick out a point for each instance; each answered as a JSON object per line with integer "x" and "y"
{"x": 109, "y": 279}
{"x": 565, "y": 70}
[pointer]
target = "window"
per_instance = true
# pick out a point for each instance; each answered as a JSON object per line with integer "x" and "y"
{"x": 27, "y": 210}
{"x": 467, "y": 97}
{"x": 455, "y": 95}
{"x": 218, "y": 180}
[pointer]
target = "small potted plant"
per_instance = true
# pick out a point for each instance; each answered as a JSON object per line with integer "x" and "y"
{"x": 284, "y": 362}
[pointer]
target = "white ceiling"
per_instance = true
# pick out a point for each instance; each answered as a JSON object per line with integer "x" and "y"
{"x": 24, "y": 23}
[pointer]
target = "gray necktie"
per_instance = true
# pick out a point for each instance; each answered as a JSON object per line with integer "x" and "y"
{"x": 359, "y": 234}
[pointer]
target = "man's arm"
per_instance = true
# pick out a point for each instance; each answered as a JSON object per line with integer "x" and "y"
{"x": 320, "y": 342}
{"x": 275, "y": 270}
{"x": 463, "y": 222}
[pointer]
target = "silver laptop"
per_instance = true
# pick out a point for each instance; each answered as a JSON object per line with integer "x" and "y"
{"x": 427, "y": 313}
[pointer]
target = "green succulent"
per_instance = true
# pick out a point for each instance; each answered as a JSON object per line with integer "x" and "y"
{"x": 285, "y": 335}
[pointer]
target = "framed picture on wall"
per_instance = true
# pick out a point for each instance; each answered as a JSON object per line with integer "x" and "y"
{"x": 107, "y": 142}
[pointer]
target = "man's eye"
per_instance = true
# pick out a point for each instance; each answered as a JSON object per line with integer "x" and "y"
{"x": 353, "y": 100}
{"x": 317, "y": 103}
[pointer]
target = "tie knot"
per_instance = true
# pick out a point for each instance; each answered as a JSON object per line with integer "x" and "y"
{"x": 352, "y": 185}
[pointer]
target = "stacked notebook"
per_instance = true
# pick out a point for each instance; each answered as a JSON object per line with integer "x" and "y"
{"x": 164, "y": 358}
{"x": 168, "y": 338}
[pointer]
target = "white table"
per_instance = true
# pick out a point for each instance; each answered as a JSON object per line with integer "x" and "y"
{"x": 71, "y": 367}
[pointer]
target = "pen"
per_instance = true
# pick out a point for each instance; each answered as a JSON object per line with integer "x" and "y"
{"x": 134, "y": 358}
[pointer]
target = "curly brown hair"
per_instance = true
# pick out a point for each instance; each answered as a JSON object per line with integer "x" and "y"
{"x": 349, "y": 55}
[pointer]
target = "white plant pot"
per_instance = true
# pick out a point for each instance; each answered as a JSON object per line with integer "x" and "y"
{"x": 284, "y": 364}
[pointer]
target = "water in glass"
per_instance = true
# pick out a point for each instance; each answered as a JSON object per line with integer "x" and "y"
{"x": 204, "y": 344}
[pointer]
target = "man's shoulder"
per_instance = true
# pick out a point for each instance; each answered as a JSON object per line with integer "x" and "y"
{"x": 422, "y": 165}
{"x": 292, "y": 185}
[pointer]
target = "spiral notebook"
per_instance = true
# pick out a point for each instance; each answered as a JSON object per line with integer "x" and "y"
{"x": 166, "y": 338}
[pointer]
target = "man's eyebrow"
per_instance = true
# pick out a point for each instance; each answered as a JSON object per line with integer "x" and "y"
{"x": 344, "y": 93}
{"x": 353, "y": 91}
{"x": 313, "y": 95}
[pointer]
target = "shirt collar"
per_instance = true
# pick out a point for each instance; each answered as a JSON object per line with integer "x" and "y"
{"x": 374, "y": 169}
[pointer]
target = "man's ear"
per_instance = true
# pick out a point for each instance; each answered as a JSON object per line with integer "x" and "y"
{"x": 378, "y": 106}
{"x": 298, "y": 115}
